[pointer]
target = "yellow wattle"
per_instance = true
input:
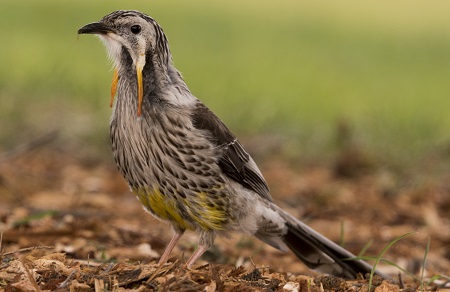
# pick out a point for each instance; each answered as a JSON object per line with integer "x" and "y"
{"x": 114, "y": 82}
{"x": 140, "y": 88}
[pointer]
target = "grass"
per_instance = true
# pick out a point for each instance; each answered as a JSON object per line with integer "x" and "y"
{"x": 424, "y": 264}
{"x": 420, "y": 280}
{"x": 380, "y": 257}
{"x": 291, "y": 68}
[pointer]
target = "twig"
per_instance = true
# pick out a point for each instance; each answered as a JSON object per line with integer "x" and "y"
{"x": 109, "y": 267}
{"x": 216, "y": 278}
{"x": 30, "y": 276}
{"x": 161, "y": 270}
{"x": 13, "y": 235}
{"x": 251, "y": 261}
{"x": 22, "y": 250}
{"x": 99, "y": 285}
{"x": 1, "y": 250}
{"x": 87, "y": 263}
{"x": 202, "y": 267}
{"x": 27, "y": 147}
{"x": 66, "y": 281}
{"x": 400, "y": 281}
{"x": 4, "y": 266}
{"x": 131, "y": 281}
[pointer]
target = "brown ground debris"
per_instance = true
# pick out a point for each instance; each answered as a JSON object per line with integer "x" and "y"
{"x": 70, "y": 224}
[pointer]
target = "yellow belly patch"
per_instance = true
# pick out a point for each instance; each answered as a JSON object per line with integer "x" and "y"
{"x": 208, "y": 216}
{"x": 163, "y": 207}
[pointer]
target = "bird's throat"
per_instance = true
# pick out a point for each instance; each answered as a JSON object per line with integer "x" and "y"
{"x": 140, "y": 86}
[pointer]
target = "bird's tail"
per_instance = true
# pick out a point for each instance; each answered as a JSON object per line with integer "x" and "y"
{"x": 319, "y": 253}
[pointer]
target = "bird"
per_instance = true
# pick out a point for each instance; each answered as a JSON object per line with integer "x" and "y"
{"x": 184, "y": 164}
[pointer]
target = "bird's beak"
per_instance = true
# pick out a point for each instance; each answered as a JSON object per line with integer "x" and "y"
{"x": 95, "y": 28}
{"x": 101, "y": 29}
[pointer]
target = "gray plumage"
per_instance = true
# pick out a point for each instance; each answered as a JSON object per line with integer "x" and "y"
{"x": 184, "y": 164}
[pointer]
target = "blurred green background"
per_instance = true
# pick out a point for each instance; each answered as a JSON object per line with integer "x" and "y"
{"x": 309, "y": 73}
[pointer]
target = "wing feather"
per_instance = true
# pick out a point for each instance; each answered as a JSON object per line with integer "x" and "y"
{"x": 235, "y": 162}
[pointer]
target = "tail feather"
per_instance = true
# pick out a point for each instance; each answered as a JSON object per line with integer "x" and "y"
{"x": 321, "y": 254}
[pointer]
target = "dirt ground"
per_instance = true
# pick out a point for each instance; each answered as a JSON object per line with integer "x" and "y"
{"x": 69, "y": 222}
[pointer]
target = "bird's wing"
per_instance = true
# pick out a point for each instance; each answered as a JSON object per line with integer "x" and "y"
{"x": 235, "y": 162}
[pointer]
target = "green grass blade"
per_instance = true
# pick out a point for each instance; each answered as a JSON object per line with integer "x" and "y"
{"x": 365, "y": 248}
{"x": 423, "y": 265}
{"x": 438, "y": 276}
{"x": 380, "y": 256}
{"x": 384, "y": 260}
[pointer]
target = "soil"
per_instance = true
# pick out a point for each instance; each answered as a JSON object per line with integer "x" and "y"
{"x": 69, "y": 222}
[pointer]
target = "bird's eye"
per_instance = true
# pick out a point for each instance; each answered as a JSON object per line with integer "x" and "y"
{"x": 135, "y": 29}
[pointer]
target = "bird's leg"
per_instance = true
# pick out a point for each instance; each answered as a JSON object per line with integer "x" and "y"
{"x": 197, "y": 254}
{"x": 206, "y": 240}
{"x": 170, "y": 247}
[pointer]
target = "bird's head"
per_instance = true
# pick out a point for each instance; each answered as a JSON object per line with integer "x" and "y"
{"x": 137, "y": 36}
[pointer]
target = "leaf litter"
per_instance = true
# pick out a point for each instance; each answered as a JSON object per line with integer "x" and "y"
{"x": 69, "y": 223}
